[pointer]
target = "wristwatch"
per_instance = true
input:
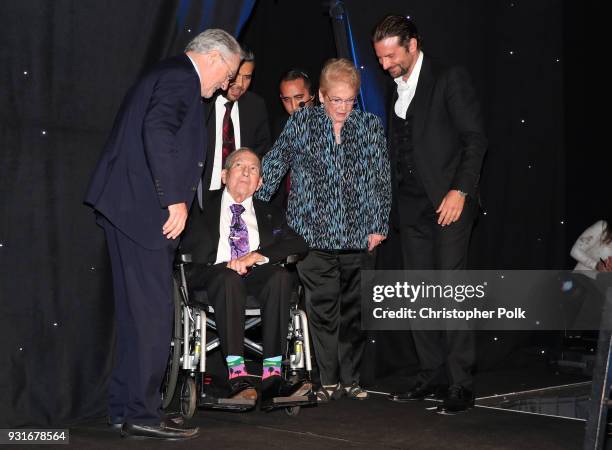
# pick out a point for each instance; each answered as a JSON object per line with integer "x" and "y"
{"x": 461, "y": 193}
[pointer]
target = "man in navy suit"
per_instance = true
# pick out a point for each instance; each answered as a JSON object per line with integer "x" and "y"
{"x": 141, "y": 191}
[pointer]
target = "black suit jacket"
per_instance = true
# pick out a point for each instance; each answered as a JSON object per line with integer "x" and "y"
{"x": 448, "y": 132}
{"x": 254, "y": 129}
{"x": 155, "y": 155}
{"x": 276, "y": 239}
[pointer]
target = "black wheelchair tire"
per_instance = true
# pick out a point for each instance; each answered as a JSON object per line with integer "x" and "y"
{"x": 292, "y": 411}
{"x": 188, "y": 398}
{"x": 172, "y": 371}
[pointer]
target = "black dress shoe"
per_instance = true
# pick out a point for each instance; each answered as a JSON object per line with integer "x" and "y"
{"x": 440, "y": 392}
{"x": 458, "y": 399}
{"x": 270, "y": 388}
{"x": 115, "y": 422}
{"x": 159, "y": 431}
{"x": 175, "y": 420}
{"x": 418, "y": 392}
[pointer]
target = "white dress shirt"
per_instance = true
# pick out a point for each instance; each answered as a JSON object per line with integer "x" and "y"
{"x": 215, "y": 181}
{"x": 407, "y": 89}
{"x": 589, "y": 248}
{"x": 224, "y": 253}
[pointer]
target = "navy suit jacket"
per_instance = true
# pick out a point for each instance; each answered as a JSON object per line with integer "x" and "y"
{"x": 155, "y": 154}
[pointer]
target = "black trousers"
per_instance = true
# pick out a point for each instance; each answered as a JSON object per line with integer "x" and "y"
{"x": 332, "y": 283}
{"x": 446, "y": 356}
{"x": 142, "y": 286}
{"x": 227, "y": 293}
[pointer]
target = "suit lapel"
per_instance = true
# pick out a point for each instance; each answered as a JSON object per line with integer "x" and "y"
{"x": 209, "y": 110}
{"x": 241, "y": 120}
{"x": 264, "y": 219}
{"x": 210, "y": 125}
{"x": 244, "y": 112}
{"x": 422, "y": 98}
{"x": 391, "y": 112}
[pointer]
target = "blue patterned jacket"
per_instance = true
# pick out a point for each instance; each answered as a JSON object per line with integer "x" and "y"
{"x": 340, "y": 193}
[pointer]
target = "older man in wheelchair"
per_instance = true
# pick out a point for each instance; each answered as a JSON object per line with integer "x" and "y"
{"x": 236, "y": 245}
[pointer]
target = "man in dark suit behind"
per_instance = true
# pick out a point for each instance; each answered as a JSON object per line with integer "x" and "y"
{"x": 141, "y": 190}
{"x": 235, "y": 118}
{"x": 295, "y": 92}
{"x": 436, "y": 147}
{"x": 235, "y": 246}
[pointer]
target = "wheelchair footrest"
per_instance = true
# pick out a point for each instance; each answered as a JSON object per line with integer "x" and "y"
{"x": 290, "y": 402}
{"x": 226, "y": 404}
{"x": 236, "y": 401}
{"x": 282, "y": 401}
{"x": 230, "y": 408}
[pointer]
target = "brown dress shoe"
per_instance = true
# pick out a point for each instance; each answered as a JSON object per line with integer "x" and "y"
{"x": 242, "y": 389}
{"x": 246, "y": 394}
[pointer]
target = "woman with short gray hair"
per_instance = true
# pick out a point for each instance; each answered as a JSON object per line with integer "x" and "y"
{"x": 339, "y": 202}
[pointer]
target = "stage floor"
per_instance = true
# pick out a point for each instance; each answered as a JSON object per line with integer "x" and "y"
{"x": 376, "y": 423}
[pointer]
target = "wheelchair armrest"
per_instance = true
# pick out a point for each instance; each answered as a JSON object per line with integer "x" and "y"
{"x": 184, "y": 258}
{"x": 293, "y": 259}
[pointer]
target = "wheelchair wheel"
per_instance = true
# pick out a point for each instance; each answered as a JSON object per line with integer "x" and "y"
{"x": 172, "y": 370}
{"x": 188, "y": 397}
{"x": 292, "y": 411}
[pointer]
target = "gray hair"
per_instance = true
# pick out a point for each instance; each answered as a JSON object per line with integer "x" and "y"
{"x": 215, "y": 39}
{"x": 239, "y": 151}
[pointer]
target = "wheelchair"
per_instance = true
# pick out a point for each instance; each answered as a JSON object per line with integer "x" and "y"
{"x": 186, "y": 376}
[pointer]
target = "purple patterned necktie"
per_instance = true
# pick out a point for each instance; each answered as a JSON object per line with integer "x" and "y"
{"x": 239, "y": 233}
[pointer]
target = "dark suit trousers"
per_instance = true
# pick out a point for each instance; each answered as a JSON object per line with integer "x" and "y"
{"x": 227, "y": 293}
{"x": 446, "y": 357}
{"x": 142, "y": 286}
{"x": 332, "y": 283}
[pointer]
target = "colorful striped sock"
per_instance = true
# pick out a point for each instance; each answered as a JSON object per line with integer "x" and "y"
{"x": 235, "y": 366}
{"x": 271, "y": 367}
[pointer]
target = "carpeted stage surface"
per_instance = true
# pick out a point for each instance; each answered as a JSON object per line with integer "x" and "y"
{"x": 373, "y": 424}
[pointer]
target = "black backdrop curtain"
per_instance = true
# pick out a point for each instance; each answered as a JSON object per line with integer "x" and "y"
{"x": 65, "y": 66}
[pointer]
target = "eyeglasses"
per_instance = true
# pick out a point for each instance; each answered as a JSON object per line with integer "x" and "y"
{"x": 230, "y": 75}
{"x": 336, "y": 101}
